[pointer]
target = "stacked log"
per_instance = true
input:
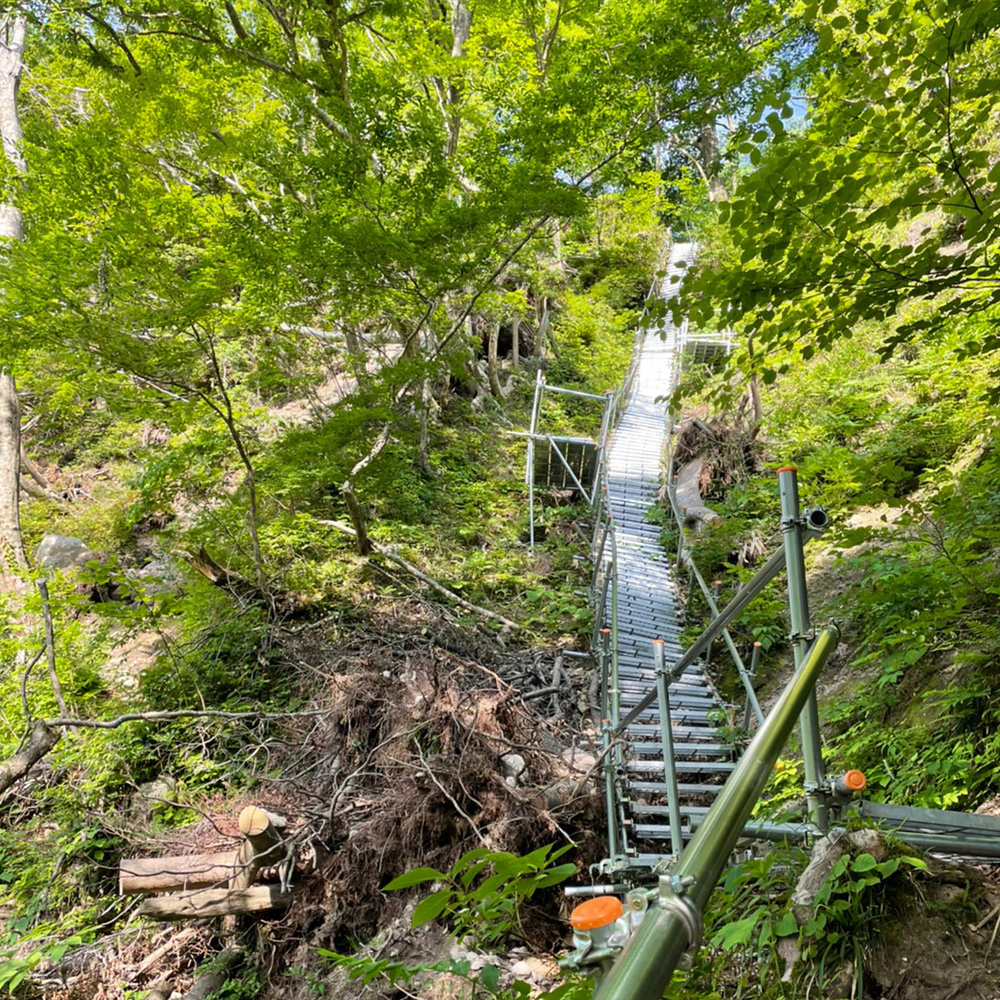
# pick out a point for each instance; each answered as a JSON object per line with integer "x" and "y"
{"x": 212, "y": 885}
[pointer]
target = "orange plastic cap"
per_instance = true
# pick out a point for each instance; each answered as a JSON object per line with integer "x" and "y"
{"x": 855, "y": 780}
{"x": 657, "y": 642}
{"x": 597, "y": 912}
{"x": 788, "y": 468}
{"x": 757, "y": 644}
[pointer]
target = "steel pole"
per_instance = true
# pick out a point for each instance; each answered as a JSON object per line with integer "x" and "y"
{"x": 671, "y": 925}
{"x": 609, "y": 788}
{"x": 798, "y": 609}
{"x": 667, "y": 746}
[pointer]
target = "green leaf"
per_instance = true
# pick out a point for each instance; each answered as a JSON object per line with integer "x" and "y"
{"x": 489, "y": 978}
{"x": 431, "y": 907}
{"x": 786, "y": 925}
{"x": 863, "y": 863}
{"x": 414, "y": 877}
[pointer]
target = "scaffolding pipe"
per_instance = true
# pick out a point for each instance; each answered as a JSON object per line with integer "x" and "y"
{"x": 609, "y": 788}
{"x": 745, "y": 677}
{"x": 792, "y": 527}
{"x": 575, "y": 392}
{"x": 667, "y": 746}
{"x": 672, "y": 924}
{"x": 569, "y": 469}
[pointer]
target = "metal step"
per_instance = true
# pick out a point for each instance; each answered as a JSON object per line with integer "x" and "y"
{"x": 684, "y": 788}
{"x": 681, "y": 766}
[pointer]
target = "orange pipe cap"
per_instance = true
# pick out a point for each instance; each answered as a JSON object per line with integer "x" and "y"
{"x": 597, "y": 912}
{"x": 855, "y": 780}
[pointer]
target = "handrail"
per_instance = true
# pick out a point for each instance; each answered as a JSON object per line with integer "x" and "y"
{"x": 672, "y": 924}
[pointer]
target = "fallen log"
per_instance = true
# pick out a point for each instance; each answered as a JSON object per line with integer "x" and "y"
{"x": 215, "y": 903}
{"x": 183, "y": 871}
{"x": 688, "y": 494}
{"x": 210, "y": 982}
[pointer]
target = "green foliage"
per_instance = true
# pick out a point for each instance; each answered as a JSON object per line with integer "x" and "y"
{"x": 751, "y": 909}
{"x": 481, "y": 895}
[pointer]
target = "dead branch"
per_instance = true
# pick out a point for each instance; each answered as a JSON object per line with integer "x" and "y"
{"x": 413, "y": 571}
{"x": 181, "y": 713}
{"x": 44, "y": 737}
{"x": 50, "y": 647}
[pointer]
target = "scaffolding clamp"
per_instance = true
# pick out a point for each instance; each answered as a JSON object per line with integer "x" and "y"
{"x": 673, "y": 897}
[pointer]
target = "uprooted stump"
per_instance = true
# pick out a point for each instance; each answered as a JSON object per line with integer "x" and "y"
{"x": 420, "y": 779}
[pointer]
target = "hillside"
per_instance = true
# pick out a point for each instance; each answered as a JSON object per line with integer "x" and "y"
{"x": 278, "y": 282}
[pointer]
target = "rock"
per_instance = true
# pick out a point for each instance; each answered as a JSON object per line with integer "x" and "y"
{"x": 149, "y": 795}
{"x": 513, "y": 765}
{"x": 63, "y": 552}
{"x": 521, "y": 970}
{"x": 159, "y": 576}
{"x": 542, "y": 968}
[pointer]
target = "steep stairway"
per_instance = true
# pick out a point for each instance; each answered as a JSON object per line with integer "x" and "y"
{"x": 647, "y": 609}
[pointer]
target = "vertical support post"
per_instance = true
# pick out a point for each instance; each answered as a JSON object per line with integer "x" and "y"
{"x": 715, "y": 597}
{"x": 680, "y": 534}
{"x": 798, "y": 608}
{"x": 615, "y": 693}
{"x": 667, "y": 743}
{"x": 609, "y": 788}
{"x": 751, "y": 674}
{"x": 529, "y": 472}
{"x": 602, "y": 659}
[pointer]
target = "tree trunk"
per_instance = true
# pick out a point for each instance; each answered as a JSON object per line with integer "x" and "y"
{"x": 542, "y": 326}
{"x": 11, "y": 55}
{"x": 183, "y": 871}
{"x": 708, "y": 154}
{"x": 262, "y": 847}
{"x": 215, "y": 903}
{"x": 461, "y": 27}
{"x": 491, "y": 360}
{"x": 12, "y": 557}
{"x": 42, "y": 740}
{"x": 515, "y": 341}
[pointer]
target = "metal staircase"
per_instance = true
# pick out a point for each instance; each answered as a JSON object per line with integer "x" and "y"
{"x": 643, "y": 607}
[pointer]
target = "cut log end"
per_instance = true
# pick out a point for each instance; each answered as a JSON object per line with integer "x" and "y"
{"x": 254, "y": 821}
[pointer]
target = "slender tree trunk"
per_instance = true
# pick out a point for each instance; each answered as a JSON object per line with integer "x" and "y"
{"x": 351, "y": 339}
{"x": 491, "y": 360}
{"x": 515, "y": 341}
{"x": 11, "y": 55}
{"x": 542, "y": 326}
{"x": 461, "y": 27}
{"x": 426, "y": 401}
{"x": 12, "y": 557}
{"x": 708, "y": 155}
